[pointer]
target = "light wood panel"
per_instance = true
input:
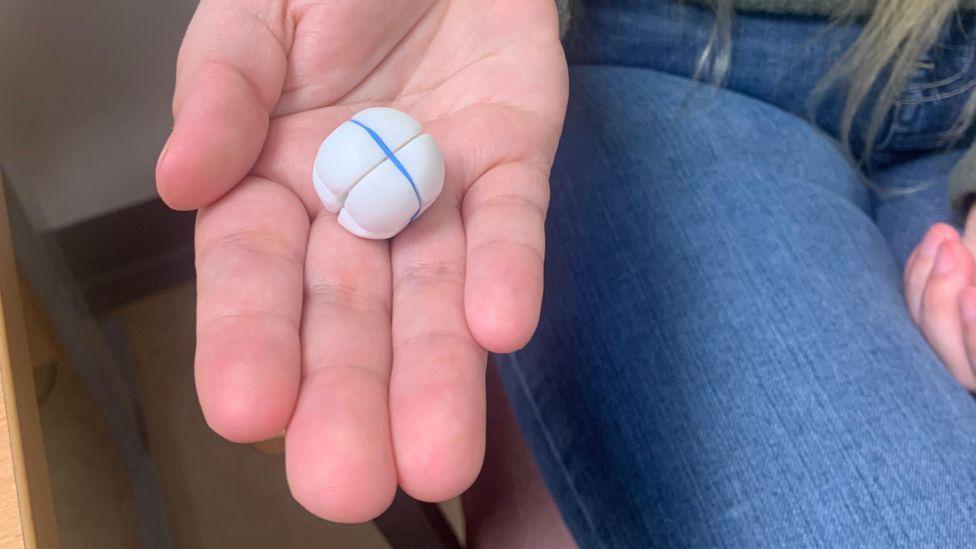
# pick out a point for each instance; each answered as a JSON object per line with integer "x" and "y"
{"x": 26, "y": 508}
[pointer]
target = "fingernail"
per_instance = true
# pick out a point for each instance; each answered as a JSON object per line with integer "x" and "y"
{"x": 968, "y": 307}
{"x": 932, "y": 242}
{"x": 944, "y": 261}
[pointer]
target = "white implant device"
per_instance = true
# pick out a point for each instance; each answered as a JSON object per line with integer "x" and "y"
{"x": 378, "y": 172}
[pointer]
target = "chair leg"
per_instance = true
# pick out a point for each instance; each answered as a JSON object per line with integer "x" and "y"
{"x": 417, "y": 525}
{"x": 104, "y": 363}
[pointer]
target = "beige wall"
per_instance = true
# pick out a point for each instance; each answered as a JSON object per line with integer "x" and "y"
{"x": 84, "y": 101}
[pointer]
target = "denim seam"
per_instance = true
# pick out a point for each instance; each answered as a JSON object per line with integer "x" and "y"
{"x": 551, "y": 445}
{"x": 938, "y": 83}
{"x": 939, "y": 96}
{"x": 945, "y": 81}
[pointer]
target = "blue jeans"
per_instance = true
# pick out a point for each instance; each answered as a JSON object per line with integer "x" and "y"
{"x": 725, "y": 357}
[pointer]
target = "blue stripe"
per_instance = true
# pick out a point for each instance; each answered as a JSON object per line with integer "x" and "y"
{"x": 396, "y": 162}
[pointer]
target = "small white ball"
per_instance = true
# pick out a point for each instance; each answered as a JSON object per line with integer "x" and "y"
{"x": 378, "y": 172}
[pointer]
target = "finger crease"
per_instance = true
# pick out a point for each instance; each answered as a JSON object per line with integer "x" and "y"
{"x": 319, "y": 368}
{"x": 247, "y": 312}
{"x": 432, "y": 273}
{"x": 267, "y": 244}
{"x": 345, "y": 297}
{"x": 427, "y": 337}
{"x": 263, "y": 22}
{"x": 534, "y": 250}
{"x": 510, "y": 201}
{"x": 267, "y": 102}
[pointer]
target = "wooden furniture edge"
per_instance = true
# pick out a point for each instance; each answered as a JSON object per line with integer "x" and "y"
{"x": 23, "y": 444}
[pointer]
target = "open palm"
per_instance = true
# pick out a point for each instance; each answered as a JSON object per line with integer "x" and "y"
{"x": 369, "y": 354}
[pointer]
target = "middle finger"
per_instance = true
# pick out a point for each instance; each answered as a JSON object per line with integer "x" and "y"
{"x": 339, "y": 453}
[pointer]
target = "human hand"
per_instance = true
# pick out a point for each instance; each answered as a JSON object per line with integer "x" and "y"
{"x": 940, "y": 290}
{"x": 369, "y": 354}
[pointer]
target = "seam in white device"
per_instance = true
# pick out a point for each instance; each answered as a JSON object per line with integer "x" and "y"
{"x": 378, "y": 172}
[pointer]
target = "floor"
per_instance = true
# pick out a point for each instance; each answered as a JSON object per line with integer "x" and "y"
{"x": 218, "y": 494}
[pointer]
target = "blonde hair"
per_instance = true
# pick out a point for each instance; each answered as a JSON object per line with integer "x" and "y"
{"x": 895, "y": 35}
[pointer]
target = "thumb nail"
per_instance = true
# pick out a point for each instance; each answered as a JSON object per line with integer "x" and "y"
{"x": 944, "y": 260}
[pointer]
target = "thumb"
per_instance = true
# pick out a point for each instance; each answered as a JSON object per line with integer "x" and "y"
{"x": 230, "y": 73}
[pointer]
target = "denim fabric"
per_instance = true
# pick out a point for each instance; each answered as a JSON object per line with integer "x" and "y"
{"x": 724, "y": 357}
{"x": 779, "y": 59}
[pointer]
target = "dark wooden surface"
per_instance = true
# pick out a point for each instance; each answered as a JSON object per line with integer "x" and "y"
{"x": 129, "y": 253}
